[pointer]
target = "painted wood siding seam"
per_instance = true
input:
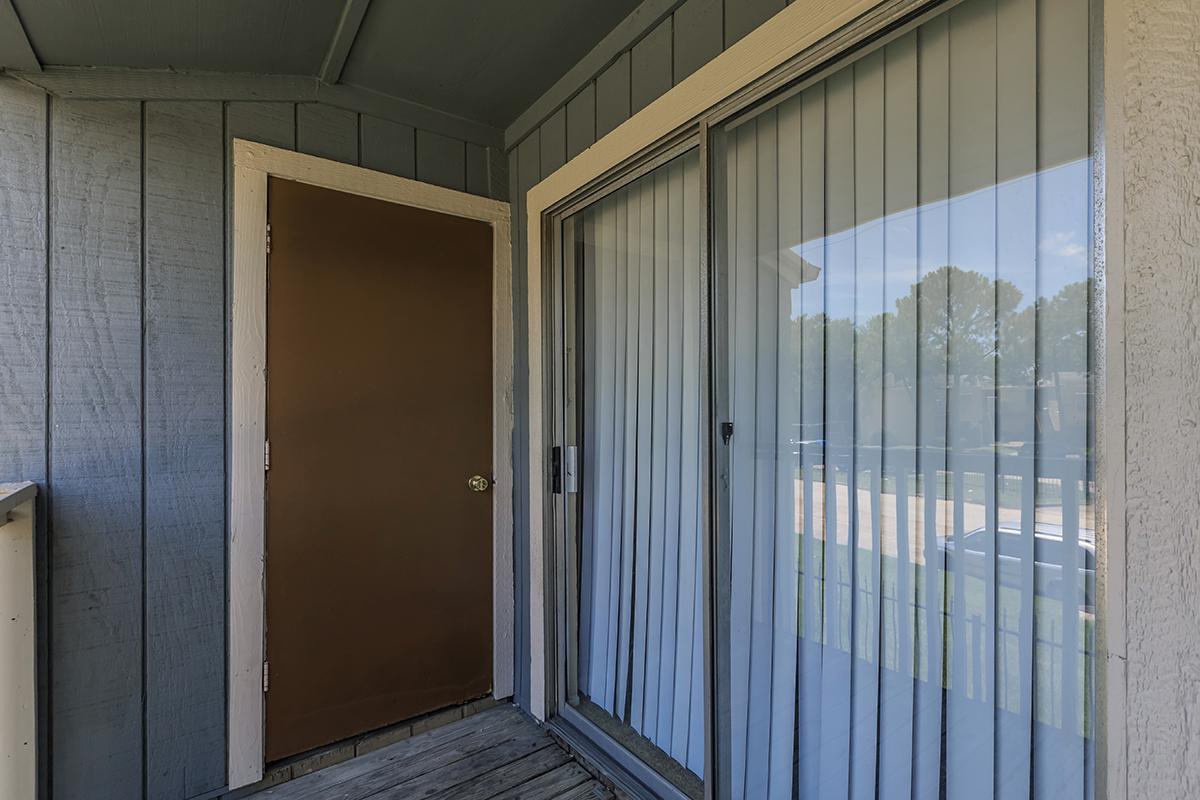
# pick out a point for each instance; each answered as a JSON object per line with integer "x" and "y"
{"x": 441, "y": 160}
{"x": 184, "y": 448}
{"x": 581, "y": 120}
{"x": 95, "y": 376}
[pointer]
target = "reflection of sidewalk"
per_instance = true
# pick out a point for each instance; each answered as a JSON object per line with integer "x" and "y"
{"x": 974, "y": 517}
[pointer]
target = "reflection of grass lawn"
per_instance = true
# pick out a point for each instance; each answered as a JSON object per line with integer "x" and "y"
{"x": 968, "y": 637}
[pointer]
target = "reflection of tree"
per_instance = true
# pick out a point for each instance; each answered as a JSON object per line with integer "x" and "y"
{"x": 963, "y": 332}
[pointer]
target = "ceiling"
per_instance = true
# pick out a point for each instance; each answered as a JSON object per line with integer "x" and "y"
{"x": 486, "y": 60}
{"x": 483, "y": 60}
{"x": 285, "y": 37}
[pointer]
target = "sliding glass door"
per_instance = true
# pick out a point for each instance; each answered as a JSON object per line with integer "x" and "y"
{"x": 824, "y": 429}
{"x": 635, "y": 398}
{"x": 905, "y": 249}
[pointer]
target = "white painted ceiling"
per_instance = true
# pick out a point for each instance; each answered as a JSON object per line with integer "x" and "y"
{"x": 483, "y": 60}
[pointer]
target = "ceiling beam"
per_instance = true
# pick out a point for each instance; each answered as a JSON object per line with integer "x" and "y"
{"x": 15, "y": 50}
{"x": 343, "y": 38}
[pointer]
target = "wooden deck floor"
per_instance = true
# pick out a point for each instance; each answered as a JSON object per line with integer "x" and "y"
{"x": 498, "y": 754}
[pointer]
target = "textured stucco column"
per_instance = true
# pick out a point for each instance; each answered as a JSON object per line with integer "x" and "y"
{"x": 1161, "y": 163}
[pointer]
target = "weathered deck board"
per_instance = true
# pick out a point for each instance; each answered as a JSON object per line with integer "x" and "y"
{"x": 552, "y": 784}
{"x": 399, "y": 762}
{"x": 498, "y": 754}
{"x": 508, "y": 776}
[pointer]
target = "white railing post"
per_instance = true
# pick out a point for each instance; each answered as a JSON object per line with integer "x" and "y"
{"x": 18, "y": 638}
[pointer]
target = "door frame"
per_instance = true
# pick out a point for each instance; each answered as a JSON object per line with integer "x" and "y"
{"x": 253, "y": 163}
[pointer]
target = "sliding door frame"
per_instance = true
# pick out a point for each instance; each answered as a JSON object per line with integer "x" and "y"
{"x": 804, "y": 43}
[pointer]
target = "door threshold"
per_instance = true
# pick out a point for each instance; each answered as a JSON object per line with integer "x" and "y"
{"x": 292, "y": 767}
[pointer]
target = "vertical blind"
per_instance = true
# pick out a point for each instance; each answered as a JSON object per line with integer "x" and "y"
{"x": 637, "y": 261}
{"x": 910, "y": 548}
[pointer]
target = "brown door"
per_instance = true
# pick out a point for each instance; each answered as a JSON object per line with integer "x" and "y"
{"x": 379, "y": 410}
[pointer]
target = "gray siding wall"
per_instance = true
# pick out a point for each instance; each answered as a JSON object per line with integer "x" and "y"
{"x": 114, "y": 333}
{"x": 667, "y": 51}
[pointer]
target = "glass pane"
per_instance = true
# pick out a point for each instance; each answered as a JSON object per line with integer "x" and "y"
{"x": 636, "y": 666}
{"x": 909, "y": 564}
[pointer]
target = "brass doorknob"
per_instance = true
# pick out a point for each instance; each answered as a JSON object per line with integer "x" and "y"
{"x": 478, "y": 483}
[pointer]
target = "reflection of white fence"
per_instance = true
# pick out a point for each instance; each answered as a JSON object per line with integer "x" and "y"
{"x": 1008, "y": 578}
{"x": 18, "y": 681}
{"x": 942, "y": 617}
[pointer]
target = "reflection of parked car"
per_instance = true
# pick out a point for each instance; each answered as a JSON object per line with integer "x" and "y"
{"x": 1048, "y": 553}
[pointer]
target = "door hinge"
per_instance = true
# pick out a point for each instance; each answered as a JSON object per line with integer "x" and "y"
{"x": 267, "y": 455}
{"x": 266, "y": 677}
{"x": 268, "y": 238}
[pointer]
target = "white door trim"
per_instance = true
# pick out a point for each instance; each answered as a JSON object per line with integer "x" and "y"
{"x": 253, "y": 163}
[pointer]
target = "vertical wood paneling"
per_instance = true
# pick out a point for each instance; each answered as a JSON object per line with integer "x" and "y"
{"x": 23, "y": 267}
{"x": 554, "y": 141}
{"x": 498, "y": 174}
{"x": 743, "y": 16}
{"x": 389, "y": 146}
{"x": 23, "y": 429}
{"x": 477, "y": 170}
{"x": 184, "y": 450}
{"x": 581, "y": 121}
{"x": 441, "y": 160}
{"x": 650, "y": 66}
{"x": 96, "y": 450}
{"x": 612, "y": 95}
{"x": 268, "y": 123}
{"x": 326, "y": 131}
{"x": 697, "y": 31}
